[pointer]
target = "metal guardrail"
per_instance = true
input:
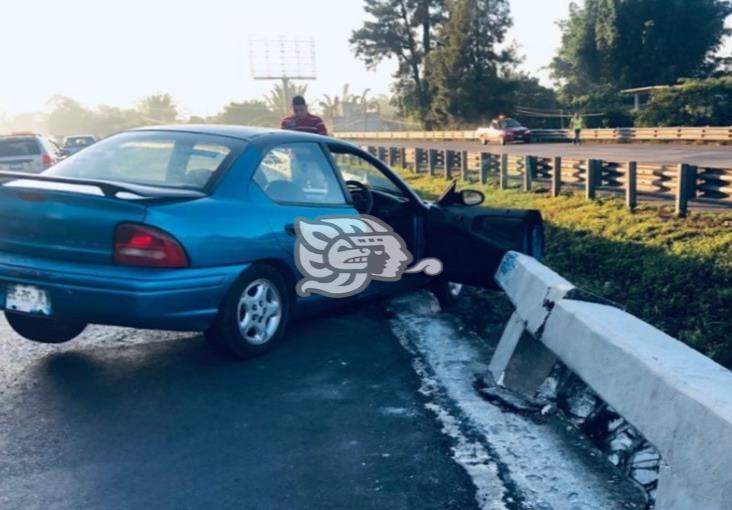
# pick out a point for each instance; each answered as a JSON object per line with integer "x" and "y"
{"x": 620, "y": 135}
{"x": 683, "y": 183}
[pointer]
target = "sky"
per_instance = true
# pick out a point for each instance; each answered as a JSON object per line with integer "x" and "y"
{"x": 116, "y": 52}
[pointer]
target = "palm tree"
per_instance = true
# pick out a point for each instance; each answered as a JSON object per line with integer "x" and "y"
{"x": 158, "y": 109}
{"x": 345, "y": 96}
{"x": 279, "y": 97}
{"x": 330, "y": 107}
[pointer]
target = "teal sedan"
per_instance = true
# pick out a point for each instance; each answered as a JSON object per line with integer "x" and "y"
{"x": 192, "y": 228}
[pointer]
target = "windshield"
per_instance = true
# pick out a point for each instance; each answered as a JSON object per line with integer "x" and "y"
{"x": 155, "y": 158}
{"x": 11, "y": 147}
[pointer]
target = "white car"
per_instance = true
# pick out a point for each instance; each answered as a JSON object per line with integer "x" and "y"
{"x": 28, "y": 152}
{"x": 503, "y": 131}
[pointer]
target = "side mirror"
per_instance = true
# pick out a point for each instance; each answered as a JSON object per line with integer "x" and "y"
{"x": 471, "y": 197}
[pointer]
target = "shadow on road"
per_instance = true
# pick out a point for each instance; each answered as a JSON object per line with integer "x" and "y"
{"x": 331, "y": 419}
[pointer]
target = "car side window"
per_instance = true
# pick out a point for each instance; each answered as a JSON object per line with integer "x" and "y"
{"x": 299, "y": 173}
{"x": 355, "y": 168}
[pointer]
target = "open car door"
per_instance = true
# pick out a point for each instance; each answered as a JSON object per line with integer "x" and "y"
{"x": 471, "y": 240}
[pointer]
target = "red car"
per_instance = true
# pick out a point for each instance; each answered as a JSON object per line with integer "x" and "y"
{"x": 503, "y": 131}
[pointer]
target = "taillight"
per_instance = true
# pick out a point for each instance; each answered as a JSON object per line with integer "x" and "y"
{"x": 137, "y": 245}
{"x": 47, "y": 161}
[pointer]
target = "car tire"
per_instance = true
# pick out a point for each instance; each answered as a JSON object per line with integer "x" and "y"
{"x": 447, "y": 293}
{"x": 254, "y": 314}
{"x": 484, "y": 141}
{"x": 44, "y": 330}
{"x": 502, "y": 141}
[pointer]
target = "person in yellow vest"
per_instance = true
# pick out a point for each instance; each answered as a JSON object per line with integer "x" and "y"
{"x": 577, "y": 124}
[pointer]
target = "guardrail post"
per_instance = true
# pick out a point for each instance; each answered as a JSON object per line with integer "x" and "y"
{"x": 685, "y": 185}
{"x": 529, "y": 168}
{"x": 417, "y": 158}
{"x": 557, "y": 177}
{"x": 631, "y": 186}
{"x": 464, "y": 165}
{"x": 485, "y": 166}
{"x": 591, "y": 180}
{"x": 390, "y": 152}
{"x": 446, "y": 157}
{"x": 503, "y": 179}
{"x": 431, "y": 160}
{"x": 692, "y": 182}
{"x": 403, "y": 157}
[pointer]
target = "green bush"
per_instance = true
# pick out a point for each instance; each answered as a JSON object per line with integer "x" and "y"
{"x": 693, "y": 103}
{"x": 673, "y": 273}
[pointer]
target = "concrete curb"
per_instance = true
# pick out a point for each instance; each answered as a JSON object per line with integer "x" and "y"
{"x": 677, "y": 398}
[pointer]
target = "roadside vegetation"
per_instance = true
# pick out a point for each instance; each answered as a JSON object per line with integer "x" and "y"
{"x": 673, "y": 273}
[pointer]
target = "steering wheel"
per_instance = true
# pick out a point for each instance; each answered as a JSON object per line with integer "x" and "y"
{"x": 363, "y": 199}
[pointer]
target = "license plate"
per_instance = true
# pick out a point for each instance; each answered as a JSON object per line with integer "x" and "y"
{"x": 17, "y": 166}
{"x": 27, "y": 299}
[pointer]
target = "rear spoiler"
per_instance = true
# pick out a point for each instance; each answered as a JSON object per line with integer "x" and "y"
{"x": 108, "y": 188}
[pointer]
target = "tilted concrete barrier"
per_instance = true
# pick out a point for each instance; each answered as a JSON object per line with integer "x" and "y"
{"x": 677, "y": 398}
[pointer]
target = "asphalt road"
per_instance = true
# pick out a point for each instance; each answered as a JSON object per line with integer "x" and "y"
{"x": 372, "y": 408}
{"x": 701, "y": 155}
{"x": 139, "y": 419}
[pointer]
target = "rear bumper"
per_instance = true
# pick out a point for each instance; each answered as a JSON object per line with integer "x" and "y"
{"x": 174, "y": 299}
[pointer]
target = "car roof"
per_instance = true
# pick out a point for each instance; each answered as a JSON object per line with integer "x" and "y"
{"x": 246, "y": 133}
{"x": 20, "y": 134}
{"x": 21, "y": 137}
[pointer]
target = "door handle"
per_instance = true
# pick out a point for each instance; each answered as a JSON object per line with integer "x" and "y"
{"x": 290, "y": 229}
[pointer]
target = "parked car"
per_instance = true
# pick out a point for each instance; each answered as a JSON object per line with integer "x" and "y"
{"x": 28, "y": 152}
{"x": 503, "y": 131}
{"x": 191, "y": 228}
{"x": 73, "y": 144}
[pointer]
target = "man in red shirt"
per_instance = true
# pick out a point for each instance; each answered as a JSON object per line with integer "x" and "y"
{"x": 302, "y": 120}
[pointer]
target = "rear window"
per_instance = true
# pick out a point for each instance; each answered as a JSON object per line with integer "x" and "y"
{"x": 157, "y": 158}
{"x": 78, "y": 141}
{"x": 14, "y": 147}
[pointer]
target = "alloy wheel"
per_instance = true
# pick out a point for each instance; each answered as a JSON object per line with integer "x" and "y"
{"x": 259, "y": 312}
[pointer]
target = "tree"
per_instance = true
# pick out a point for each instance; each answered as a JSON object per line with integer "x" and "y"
{"x": 330, "y": 108}
{"x": 404, "y": 30}
{"x": 35, "y": 122}
{"x": 107, "y": 120}
{"x": 635, "y": 43}
{"x": 467, "y": 74}
{"x": 528, "y": 93}
{"x": 68, "y": 117}
{"x": 278, "y": 99}
{"x": 158, "y": 109}
{"x": 250, "y": 113}
{"x": 693, "y": 103}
